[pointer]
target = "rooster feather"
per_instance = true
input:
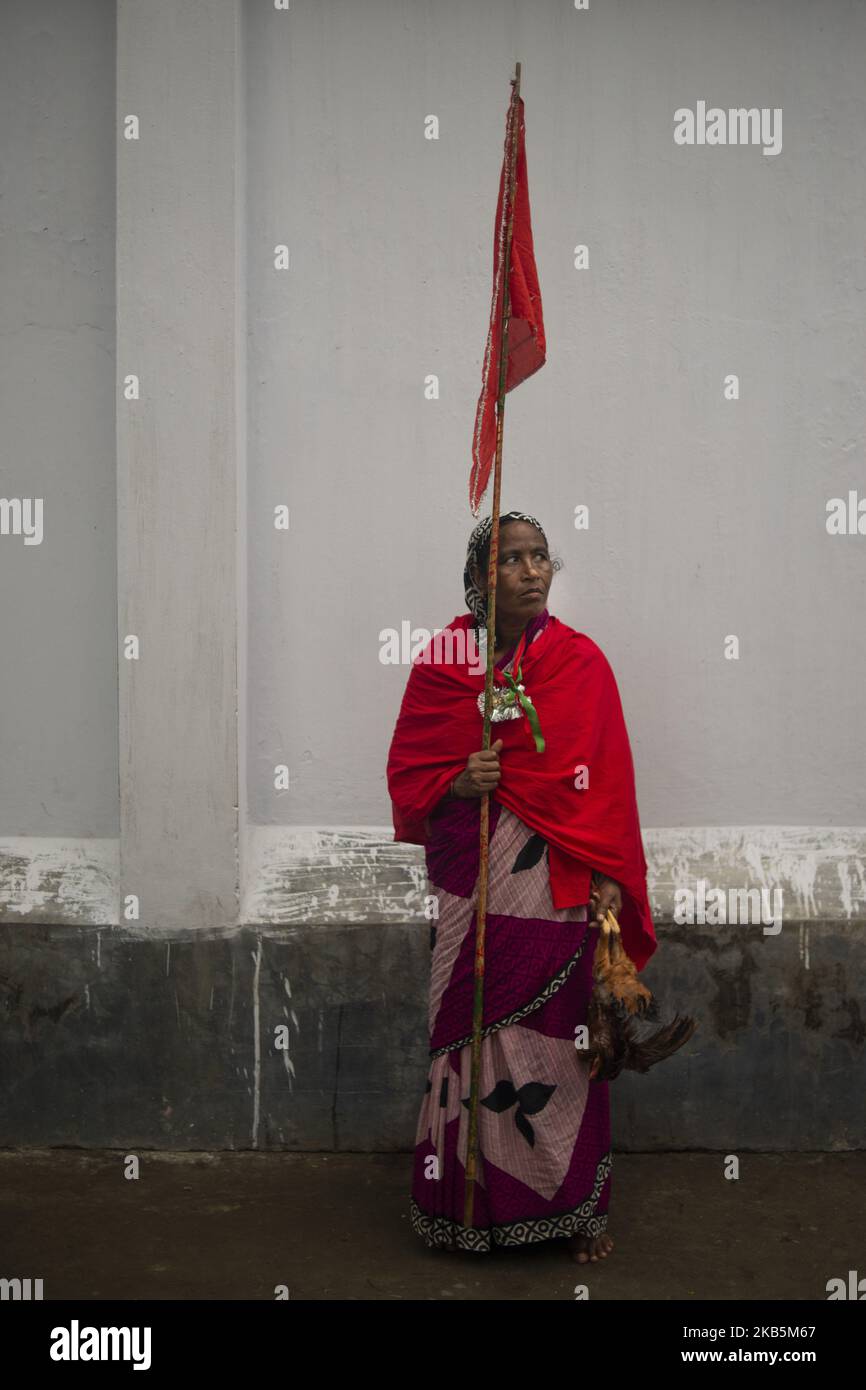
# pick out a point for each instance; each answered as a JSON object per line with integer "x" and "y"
{"x": 618, "y": 1000}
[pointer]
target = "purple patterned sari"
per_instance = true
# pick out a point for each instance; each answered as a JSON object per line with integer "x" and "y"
{"x": 544, "y": 1131}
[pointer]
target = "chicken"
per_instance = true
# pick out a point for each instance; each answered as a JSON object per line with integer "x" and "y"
{"x": 618, "y": 998}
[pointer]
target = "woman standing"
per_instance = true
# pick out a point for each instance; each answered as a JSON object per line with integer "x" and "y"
{"x": 565, "y": 846}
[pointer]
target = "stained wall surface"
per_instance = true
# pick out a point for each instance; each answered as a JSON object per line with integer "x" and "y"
{"x": 707, "y": 515}
{"x": 257, "y": 907}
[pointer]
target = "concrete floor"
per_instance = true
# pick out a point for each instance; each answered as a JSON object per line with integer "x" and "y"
{"x": 335, "y": 1226}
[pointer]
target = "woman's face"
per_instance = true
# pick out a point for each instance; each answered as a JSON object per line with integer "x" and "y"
{"x": 524, "y": 573}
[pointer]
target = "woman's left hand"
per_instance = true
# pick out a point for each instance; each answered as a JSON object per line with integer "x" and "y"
{"x": 606, "y": 896}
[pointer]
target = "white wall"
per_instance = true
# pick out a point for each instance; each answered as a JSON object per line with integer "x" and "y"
{"x": 707, "y": 516}
{"x": 306, "y": 127}
{"x": 58, "y": 629}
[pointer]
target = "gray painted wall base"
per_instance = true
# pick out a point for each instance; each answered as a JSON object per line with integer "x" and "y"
{"x": 114, "y": 1039}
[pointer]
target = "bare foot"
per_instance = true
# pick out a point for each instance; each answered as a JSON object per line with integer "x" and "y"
{"x": 586, "y": 1248}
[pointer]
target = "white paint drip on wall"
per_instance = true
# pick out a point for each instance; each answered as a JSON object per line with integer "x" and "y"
{"x": 359, "y": 874}
{"x": 804, "y": 862}
{"x": 289, "y": 1013}
{"x": 257, "y": 1043}
{"x": 60, "y": 880}
{"x": 846, "y": 884}
{"x": 290, "y": 1068}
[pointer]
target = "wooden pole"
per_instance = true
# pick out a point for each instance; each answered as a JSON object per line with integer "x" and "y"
{"x": 484, "y": 837}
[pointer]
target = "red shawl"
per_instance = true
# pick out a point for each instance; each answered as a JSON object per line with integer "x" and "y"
{"x": 575, "y": 695}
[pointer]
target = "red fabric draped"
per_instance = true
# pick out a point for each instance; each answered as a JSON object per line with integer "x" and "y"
{"x": 526, "y": 340}
{"x": 576, "y": 697}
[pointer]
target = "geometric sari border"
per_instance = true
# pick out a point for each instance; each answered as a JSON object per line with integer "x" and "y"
{"x": 441, "y": 1232}
{"x": 554, "y": 984}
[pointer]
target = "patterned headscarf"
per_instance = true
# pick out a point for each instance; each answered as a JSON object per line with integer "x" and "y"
{"x": 476, "y": 602}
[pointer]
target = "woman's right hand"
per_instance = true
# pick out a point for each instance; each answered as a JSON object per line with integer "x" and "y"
{"x": 481, "y": 774}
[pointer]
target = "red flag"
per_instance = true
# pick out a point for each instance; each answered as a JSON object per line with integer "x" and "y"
{"x": 526, "y": 344}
